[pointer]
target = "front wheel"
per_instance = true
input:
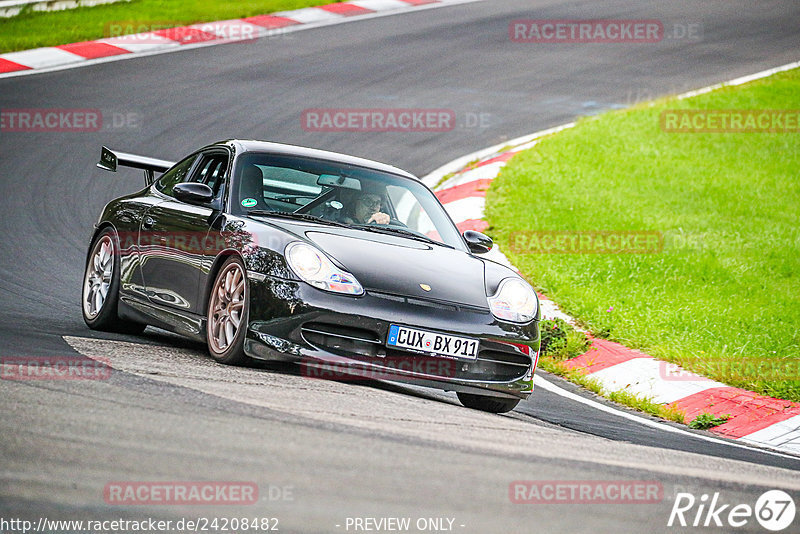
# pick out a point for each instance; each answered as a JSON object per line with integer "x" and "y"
{"x": 100, "y": 293}
{"x": 228, "y": 306}
{"x": 487, "y": 404}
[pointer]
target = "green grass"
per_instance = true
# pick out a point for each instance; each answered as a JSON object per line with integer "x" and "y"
{"x": 723, "y": 297}
{"x": 33, "y": 29}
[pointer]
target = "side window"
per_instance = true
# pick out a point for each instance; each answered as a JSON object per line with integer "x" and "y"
{"x": 175, "y": 175}
{"x": 211, "y": 171}
{"x": 409, "y": 211}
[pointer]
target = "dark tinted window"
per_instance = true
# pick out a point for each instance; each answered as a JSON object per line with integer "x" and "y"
{"x": 174, "y": 176}
{"x": 211, "y": 171}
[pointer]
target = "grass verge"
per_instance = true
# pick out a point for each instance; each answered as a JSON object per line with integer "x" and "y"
{"x": 34, "y": 29}
{"x": 722, "y": 298}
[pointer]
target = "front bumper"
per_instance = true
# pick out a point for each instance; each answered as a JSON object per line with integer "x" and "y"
{"x": 343, "y": 337}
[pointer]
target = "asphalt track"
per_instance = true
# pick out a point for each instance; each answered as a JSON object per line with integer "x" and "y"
{"x": 344, "y": 449}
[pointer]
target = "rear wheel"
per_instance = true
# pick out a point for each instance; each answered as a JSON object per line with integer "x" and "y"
{"x": 228, "y": 306}
{"x": 100, "y": 293}
{"x": 487, "y": 404}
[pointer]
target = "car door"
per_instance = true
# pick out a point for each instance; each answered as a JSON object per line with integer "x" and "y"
{"x": 172, "y": 238}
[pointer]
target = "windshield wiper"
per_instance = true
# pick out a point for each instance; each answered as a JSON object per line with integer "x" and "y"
{"x": 295, "y": 215}
{"x": 382, "y": 229}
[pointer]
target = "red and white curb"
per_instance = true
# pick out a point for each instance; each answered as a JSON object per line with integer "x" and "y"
{"x": 203, "y": 34}
{"x": 756, "y": 419}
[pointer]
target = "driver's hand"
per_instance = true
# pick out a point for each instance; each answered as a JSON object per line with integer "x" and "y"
{"x": 379, "y": 218}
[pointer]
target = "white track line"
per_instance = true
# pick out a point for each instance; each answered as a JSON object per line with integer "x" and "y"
{"x": 549, "y": 386}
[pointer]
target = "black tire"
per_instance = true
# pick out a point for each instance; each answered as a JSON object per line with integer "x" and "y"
{"x": 223, "y": 303}
{"x": 487, "y": 404}
{"x": 100, "y": 311}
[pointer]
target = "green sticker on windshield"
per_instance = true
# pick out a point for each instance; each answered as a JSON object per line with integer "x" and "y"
{"x": 249, "y": 202}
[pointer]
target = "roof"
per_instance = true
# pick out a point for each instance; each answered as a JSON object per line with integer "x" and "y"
{"x": 247, "y": 145}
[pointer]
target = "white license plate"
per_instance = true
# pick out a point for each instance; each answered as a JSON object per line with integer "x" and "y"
{"x": 432, "y": 343}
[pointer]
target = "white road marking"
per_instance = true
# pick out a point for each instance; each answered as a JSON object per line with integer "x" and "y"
{"x": 43, "y": 57}
{"x": 464, "y": 209}
{"x": 784, "y": 435}
{"x": 549, "y": 386}
{"x": 645, "y": 377}
{"x": 308, "y": 15}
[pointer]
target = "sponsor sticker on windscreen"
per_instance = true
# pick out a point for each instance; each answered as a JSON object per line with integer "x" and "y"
{"x": 432, "y": 343}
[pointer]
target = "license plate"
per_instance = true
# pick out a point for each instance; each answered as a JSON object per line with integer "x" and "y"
{"x": 432, "y": 343}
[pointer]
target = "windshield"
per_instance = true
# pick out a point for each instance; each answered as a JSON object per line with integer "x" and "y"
{"x": 340, "y": 194}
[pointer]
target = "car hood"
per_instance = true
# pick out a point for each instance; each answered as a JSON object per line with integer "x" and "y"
{"x": 400, "y": 265}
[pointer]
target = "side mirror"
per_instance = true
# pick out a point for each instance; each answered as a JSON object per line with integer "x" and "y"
{"x": 477, "y": 242}
{"x": 193, "y": 193}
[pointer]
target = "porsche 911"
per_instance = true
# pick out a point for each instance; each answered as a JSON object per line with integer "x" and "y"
{"x": 277, "y": 252}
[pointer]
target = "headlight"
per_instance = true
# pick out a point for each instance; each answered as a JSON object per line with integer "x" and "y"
{"x": 314, "y": 267}
{"x": 514, "y": 301}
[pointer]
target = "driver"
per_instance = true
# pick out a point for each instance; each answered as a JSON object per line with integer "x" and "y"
{"x": 366, "y": 208}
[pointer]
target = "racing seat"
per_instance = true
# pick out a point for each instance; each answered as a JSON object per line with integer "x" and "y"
{"x": 252, "y": 186}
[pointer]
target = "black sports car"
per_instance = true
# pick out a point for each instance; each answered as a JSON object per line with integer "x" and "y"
{"x": 351, "y": 267}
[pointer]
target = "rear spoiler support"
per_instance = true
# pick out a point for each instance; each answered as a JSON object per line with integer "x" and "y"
{"x": 111, "y": 159}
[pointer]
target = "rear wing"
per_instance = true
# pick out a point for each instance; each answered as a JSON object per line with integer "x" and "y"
{"x": 111, "y": 159}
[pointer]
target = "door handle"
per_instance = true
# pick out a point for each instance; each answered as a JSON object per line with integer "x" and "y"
{"x": 148, "y": 222}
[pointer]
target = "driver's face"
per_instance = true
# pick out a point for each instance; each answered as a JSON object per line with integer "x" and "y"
{"x": 367, "y": 205}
